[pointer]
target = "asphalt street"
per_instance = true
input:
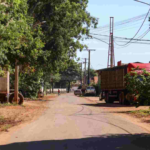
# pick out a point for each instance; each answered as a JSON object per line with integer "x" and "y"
{"x": 72, "y": 123}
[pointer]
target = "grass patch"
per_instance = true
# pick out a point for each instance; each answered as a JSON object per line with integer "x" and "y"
{"x": 2, "y": 120}
{"x": 6, "y": 127}
{"x": 81, "y": 95}
{"x": 140, "y": 113}
{"x": 6, "y": 123}
{"x": 9, "y": 104}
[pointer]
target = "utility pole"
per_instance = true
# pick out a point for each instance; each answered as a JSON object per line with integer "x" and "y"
{"x": 85, "y": 70}
{"x": 111, "y": 57}
{"x": 81, "y": 73}
{"x": 89, "y": 50}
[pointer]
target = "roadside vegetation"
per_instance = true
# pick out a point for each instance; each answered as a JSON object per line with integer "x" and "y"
{"x": 6, "y": 123}
{"x": 140, "y": 113}
{"x": 42, "y": 37}
{"x": 138, "y": 85}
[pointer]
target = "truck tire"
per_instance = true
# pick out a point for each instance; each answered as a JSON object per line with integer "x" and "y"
{"x": 108, "y": 99}
{"x": 20, "y": 98}
{"x": 122, "y": 98}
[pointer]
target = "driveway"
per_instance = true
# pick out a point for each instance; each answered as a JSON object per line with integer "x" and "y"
{"x": 71, "y": 123}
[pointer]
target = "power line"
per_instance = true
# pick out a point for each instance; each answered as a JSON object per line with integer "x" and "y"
{"x": 99, "y": 40}
{"x": 124, "y": 22}
{"x": 120, "y": 37}
{"x": 119, "y": 28}
{"x": 137, "y": 40}
{"x": 138, "y": 30}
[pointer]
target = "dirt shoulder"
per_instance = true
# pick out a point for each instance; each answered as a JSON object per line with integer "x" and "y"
{"x": 14, "y": 115}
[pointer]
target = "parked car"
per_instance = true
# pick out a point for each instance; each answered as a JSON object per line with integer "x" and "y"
{"x": 78, "y": 92}
{"x": 90, "y": 90}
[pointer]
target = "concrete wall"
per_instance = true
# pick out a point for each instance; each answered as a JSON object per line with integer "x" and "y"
{"x": 4, "y": 83}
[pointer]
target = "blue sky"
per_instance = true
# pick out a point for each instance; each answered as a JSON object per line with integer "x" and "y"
{"x": 120, "y": 10}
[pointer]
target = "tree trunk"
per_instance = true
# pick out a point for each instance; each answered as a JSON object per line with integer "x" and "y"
{"x": 69, "y": 87}
{"x": 52, "y": 88}
{"x": 43, "y": 88}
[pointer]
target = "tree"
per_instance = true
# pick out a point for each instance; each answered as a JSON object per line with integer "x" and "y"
{"x": 42, "y": 35}
{"x": 50, "y": 79}
{"x": 66, "y": 23}
{"x": 72, "y": 73}
{"x": 18, "y": 39}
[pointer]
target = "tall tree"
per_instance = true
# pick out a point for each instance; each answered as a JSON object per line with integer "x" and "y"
{"x": 66, "y": 23}
{"x": 19, "y": 39}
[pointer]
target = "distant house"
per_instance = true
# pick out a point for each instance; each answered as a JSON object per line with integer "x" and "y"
{"x": 94, "y": 80}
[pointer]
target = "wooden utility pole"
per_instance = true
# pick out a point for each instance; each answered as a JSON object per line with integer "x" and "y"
{"x": 89, "y": 50}
{"x": 89, "y": 67}
{"x": 85, "y": 70}
{"x": 16, "y": 83}
{"x": 81, "y": 72}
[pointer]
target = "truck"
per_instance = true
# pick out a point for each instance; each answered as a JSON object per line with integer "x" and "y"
{"x": 113, "y": 83}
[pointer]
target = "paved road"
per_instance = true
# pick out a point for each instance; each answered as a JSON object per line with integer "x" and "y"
{"x": 71, "y": 123}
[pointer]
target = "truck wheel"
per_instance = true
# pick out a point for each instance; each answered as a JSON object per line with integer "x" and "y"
{"x": 20, "y": 98}
{"x": 121, "y": 98}
{"x": 106, "y": 98}
{"x": 111, "y": 100}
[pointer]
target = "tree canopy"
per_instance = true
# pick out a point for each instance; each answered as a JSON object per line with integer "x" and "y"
{"x": 42, "y": 35}
{"x": 18, "y": 39}
{"x": 66, "y": 23}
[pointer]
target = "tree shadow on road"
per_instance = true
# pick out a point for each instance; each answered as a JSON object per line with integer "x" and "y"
{"x": 105, "y": 142}
{"x": 106, "y": 105}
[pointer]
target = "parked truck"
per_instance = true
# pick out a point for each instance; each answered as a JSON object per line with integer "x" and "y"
{"x": 113, "y": 84}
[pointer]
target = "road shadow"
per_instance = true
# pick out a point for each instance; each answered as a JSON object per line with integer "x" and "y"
{"x": 105, "y": 142}
{"x": 91, "y": 95}
{"x": 106, "y": 105}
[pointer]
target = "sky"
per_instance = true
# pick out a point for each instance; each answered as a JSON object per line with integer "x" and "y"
{"x": 120, "y": 10}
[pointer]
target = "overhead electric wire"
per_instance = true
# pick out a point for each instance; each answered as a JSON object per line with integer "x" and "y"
{"x": 131, "y": 20}
{"x": 138, "y": 40}
{"x": 144, "y": 34}
{"x": 138, "y": 30}
{"x": 100, "y": 40}
{"x": 121, "y": 28}
{"x": 121, "y": 22}
{"x": 115, "y": 37}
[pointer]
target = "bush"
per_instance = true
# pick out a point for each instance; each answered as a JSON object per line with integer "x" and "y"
{"x": 139, "y": 86}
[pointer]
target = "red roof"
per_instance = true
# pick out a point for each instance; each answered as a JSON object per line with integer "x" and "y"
{"x": 141, "y": 66}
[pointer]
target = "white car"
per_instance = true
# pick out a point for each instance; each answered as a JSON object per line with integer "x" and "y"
{"x": 90, "y": 90}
